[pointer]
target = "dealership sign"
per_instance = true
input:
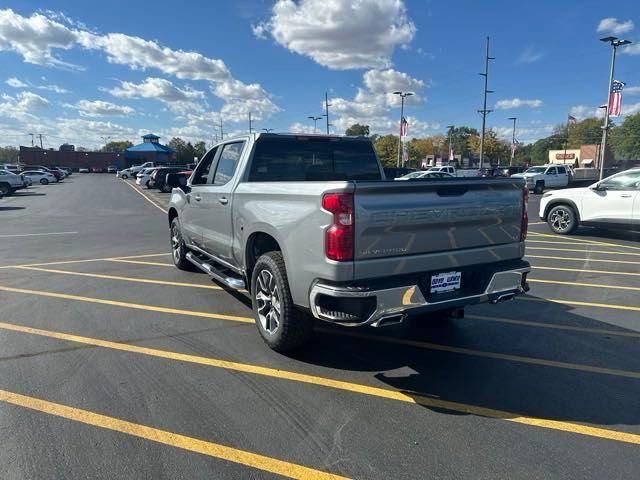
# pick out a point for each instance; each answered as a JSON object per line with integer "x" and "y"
{"x": 565, "y": 156}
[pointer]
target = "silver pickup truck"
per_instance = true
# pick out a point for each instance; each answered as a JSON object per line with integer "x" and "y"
{"x": 310, "y": 227}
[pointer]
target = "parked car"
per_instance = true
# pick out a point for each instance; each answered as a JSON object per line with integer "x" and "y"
{"x": 611, "y": 203}
{"x": 83, "y": 170}
{"x": 40, "y": 176}
{"x": 67, "y": 170}
{"x": 133, "y": 171}
{"x": 143, "y": 177}
{"x": 457, "y": 172}
{"x": 424, "y": 175}
{"x": 10, "y": 182}
{"x": 59, "y": 175}
{"x": 159, "y": 176}
{"x": 112, "y": 169}
{"x": 10, "y": 167}
{"x": 311, "y": 229}
{"x": 396, "y": 172}
{"x": 539, "y": 178}
{"x": 508, "y": 171}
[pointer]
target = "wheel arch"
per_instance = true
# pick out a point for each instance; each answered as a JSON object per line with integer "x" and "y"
{"x": 258, "y": 243}
{"x": 562, "y": 201}
{"x": 173, "y": 213}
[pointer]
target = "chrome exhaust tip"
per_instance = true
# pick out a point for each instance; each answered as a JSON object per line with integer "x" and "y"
{"x": 388, "y": 320}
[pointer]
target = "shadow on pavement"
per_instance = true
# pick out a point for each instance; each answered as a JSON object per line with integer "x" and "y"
{"x": 3, "y": 209}
{"x": 613, "y": 234}
{"x": 508, "y": 386}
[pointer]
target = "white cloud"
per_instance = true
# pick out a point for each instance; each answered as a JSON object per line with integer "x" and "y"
{"x": 53, "y": 88}
{"x": 22, "y": 106}
{"x": 586, "y": 111}
{"x": 298, "y": 127}
{"x": 530, "y": 55}
{"x": 612, "y": 25}
{"x": 630, "y": 109}
{"x": 88, "y": 132}
{"x": 100, "y": 108}
{"x": 15, "y": 83}
{"x": 35, "y": 37}
{"x": 508, "y": 103}
{"x": 525, "y": 134}
{"x": 177, "y": 99}
{"x": 340, "y": 34}
{"x": 390, "y": 80}
{"x": 633, "y": 49}
{"x": 632, "y": 90}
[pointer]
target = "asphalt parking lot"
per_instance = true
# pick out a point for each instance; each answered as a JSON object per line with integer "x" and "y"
{"x": 114, "y": 364}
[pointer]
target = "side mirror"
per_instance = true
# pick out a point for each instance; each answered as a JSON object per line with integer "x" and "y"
{"x": 598, "y": 187}
{"x": 177, "y": 180}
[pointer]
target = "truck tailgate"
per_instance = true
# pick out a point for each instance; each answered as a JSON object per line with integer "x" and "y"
{"x": 415, "y": 218}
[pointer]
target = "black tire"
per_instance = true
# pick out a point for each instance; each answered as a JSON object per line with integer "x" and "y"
{"x": 539, "y": 188}
{"x": 178, "y": 249}
{"x": 5, "y": 189}
{"x": 44, "y": 181}
{"x": 124, "y": 176}
{"x": 562, "y": 219}
{"x": 165, "y": 188}
{"x": 288, "y": 329}
{"x": 147, "y": 185}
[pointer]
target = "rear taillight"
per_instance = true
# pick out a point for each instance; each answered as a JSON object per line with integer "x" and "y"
{"x": 525, "y": 216}
{"x": 338, "y": 240}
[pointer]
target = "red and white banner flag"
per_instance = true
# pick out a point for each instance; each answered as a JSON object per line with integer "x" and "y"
{"x": 615, "y": 98}
{"x": 451, "y": 155}
{"x": 404, "y": 127}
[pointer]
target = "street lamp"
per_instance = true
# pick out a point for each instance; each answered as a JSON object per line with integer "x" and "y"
{"x": 513, "y": 140}
{"x": 315, "y": 122}
{"x": 402, "y": 97}
{"x": 615, "y": 43}
{"x": 268, "y": 130}
{"x": 449, "y": 153}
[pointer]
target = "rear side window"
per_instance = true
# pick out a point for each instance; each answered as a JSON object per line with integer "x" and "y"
{"x": 228, "y": 162}
{"x": 562, "y": 170}
{"x": 292, "y": 159}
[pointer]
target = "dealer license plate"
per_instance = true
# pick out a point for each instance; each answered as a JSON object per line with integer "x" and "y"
{"x": 445, "y": 282}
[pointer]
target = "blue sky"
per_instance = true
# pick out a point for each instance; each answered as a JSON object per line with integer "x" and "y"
{"x": 77, "y": 72}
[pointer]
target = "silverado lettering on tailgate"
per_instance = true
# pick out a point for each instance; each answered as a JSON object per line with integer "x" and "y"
{"x": 391, "y": 217}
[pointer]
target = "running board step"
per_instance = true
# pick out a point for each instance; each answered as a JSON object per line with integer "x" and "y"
{"x": 231, "y": 282}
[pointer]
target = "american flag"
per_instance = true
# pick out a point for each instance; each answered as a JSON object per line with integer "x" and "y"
{"x": 404, "y": 127}
{"x": 615, "y": 98}
{"x": 451, "y": 155}
{"x": 571, "y": 120}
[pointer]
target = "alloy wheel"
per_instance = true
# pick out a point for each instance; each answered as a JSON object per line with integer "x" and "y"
{"x": 176, "y": 243}
{"x": 268, "y": 299}
{"x": 560, "y": 220}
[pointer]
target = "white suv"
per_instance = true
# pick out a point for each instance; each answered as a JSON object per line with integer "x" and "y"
{"x": 613, "y": 202}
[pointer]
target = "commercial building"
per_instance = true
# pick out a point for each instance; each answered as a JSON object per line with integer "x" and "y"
{"x": 587, "y": 156}
{"x": 150, "y": 150}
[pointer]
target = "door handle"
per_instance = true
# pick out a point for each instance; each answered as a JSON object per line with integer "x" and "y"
{"x": 197, "y": 198}
{"x": 223, "y": 200}
{"x": 628, "y": 195}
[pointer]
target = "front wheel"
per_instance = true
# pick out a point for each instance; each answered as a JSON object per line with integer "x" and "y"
{"x": 124, "y": 176}
{"x": 178, "y": 248}
{"x": 562, "y": 220}
{"x": 539, "y": 188}
{"x": 44, "y": 181}
{"x": 5, "y": 190}
{"x": 165, "y": 188}
{"x": 281, "y": 325}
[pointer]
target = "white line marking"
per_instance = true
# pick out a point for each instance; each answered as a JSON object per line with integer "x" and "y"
{"x": 38, "y": 234}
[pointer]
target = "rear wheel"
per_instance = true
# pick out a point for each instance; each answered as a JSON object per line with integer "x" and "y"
{"x": 5, "y": 189}
{"x": 178, "y": 248}
{"x": 124, "y": 176}
{"x": 147, "y": 185}
{"x": 562, "y": 219}
{"x": 165, "y": 188}
{"x": 281, "y": 325}
{"x": 44, "y": 181}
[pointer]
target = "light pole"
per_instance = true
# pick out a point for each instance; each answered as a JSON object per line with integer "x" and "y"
{"x": 268, "y": 130}
{"x": 513, "y": 140}
{"x": 402, "y": 97}
{"x": 615, "y": 43}
{"x": 315, "y": 122}
{"x": 449, "y": 153}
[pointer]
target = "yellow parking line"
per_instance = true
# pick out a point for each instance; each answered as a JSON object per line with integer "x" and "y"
{"x": 139, "y": 262}
{"x": 583, "y": 260}
{"x": 551, "y": 242}
{"x": 338, "y": 385}
{"x": 85, "y": 260}
{"x": 589, "y": 242}
{"x": 183, "y": 442}
{"x": 582, "y": 304}
{"x": 583, "y": 251}
{"x": 124, "y": 279}
{"x": 482, "y": 353}
{"x": 147, "y": 198}
{"x": 583, "y": 284}
{"x": 137, "y": 306}
{"x": 584, "y": 270}
{"x": 556, "y": 326}
{"x": 537, "y": 223}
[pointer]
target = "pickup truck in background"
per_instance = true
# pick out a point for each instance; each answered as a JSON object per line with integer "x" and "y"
{"x": 309, "y": 225}
{"x": 451, "y": 170}
{"x": 545, "y": 176}
{"x": 10, "y": 182}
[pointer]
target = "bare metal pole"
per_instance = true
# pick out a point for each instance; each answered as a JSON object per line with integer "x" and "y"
{"x": 326, "y": 109}
{"x": 513, "y": 141}
{"x": 484, "y": 112}
{"x": 400, "y": 133}
{"x": 250, "y": 123}
{"x": 605, "y": 127}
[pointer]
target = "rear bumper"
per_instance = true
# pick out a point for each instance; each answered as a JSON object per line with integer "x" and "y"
{"x": 359, "y": 305}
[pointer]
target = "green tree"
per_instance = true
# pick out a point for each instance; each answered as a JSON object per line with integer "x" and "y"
{"x": 586, "y": 132}
{"x": 496, "y": 151}
{"x": 8, "y": 154}
{"x": 540, "y": 149}
{"x": 200, "y": 149}
{"x": 115, "y": 146}
{"x": 626, "y": 138}
{"x": 460, "y": 140}
{"x": 185, "y": 151}
{"x": 357, "y": 130}
{"x": 387, "y": 149}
